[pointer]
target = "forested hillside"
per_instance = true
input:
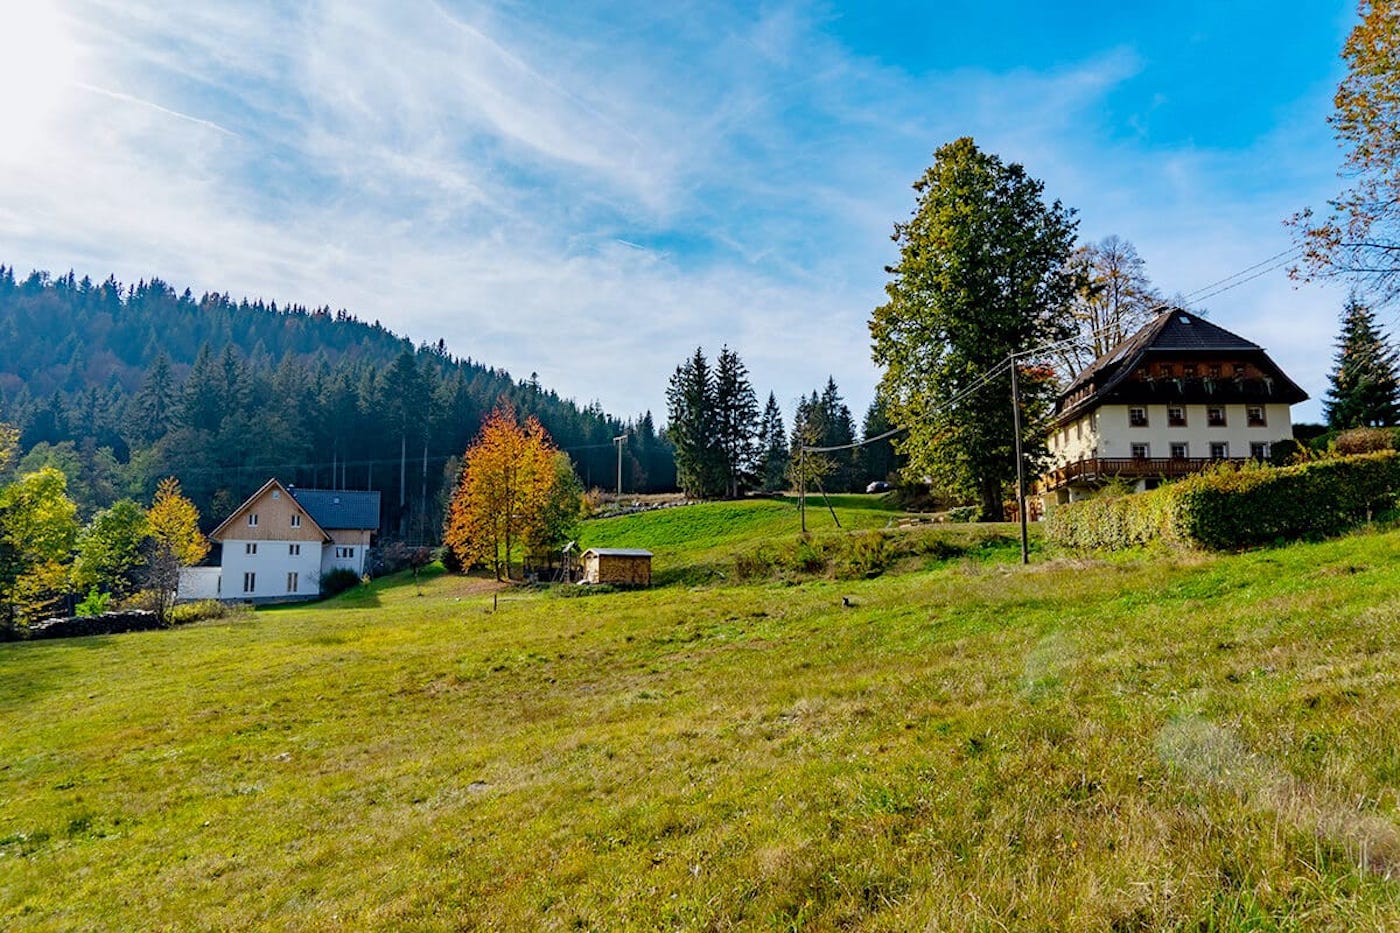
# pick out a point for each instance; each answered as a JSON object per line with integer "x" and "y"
{"x": 122, "y": 385}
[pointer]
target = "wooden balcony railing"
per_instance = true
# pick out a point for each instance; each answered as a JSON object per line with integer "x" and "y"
{"x": 1103, "y": 469}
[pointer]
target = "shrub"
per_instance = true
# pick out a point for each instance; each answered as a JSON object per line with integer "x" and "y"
{"x": 338, "y": 581}
{"x": 94, "y": 604}
{"x": 1236, "y": 507}
{"x": 964, "y": 513}
{"x": 1364, "y": 441}
{"x": 1287, "y": 451}
{"x": 204, "y": 609}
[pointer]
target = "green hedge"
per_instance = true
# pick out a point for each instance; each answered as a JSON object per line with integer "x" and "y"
{"x": 1233, "y": 508}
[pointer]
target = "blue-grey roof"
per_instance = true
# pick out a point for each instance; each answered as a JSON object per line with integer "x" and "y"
{"x": 340, "y": 508}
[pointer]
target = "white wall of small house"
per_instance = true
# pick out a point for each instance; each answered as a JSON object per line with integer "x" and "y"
{"x": 1115, "y": 435}
{"x": 348, "y": 549}
{"x": 270, "y": 566}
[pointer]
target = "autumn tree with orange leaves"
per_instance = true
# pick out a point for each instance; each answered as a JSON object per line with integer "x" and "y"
{"x": 508, "y": 475}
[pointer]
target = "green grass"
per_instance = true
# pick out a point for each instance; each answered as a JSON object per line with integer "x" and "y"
{"x": 699, "y": 543}
{"x": 1160, "y": 741}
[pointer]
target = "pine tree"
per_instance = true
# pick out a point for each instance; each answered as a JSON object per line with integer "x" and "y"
{"x": 692, "y": 428}
{"x": 1365, "y": 387}
{"x": 773, "y": 448}
{"x": 736, "y": 420}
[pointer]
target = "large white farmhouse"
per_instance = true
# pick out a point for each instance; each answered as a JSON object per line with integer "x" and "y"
{"x": 279, "y": 543}
{"x": 1178, "y": 395}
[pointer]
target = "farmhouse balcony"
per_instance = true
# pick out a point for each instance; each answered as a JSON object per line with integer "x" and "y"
{"x": 1104, "y": 469}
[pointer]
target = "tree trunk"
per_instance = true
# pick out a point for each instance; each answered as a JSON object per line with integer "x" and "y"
{"x": 991, "y": 501}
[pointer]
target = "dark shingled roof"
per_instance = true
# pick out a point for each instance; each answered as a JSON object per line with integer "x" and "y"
{"x": 340, "y": 508}
{"x": 1172, "y": 332}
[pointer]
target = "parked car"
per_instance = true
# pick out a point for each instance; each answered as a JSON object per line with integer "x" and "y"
{"x": 878, "y": 486}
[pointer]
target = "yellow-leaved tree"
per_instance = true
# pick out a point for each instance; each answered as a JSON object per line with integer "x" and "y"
{"x": 508, "y": 475}
{"x": 174, "y": 525}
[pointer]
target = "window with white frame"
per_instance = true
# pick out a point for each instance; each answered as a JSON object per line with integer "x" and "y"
{"x": 294, "y": 549}
{"x": 1139, "y": 451}
{"x": 1180, "y": 451}
{"x": 1219, "y": 450}
{"x": 296, "y": 521}
{"x": 253, "y": 519}
{"x": 291, "y": 582}
{"x": 1258, "y": 450}
{"x": 1254, "y": 416}
{"x": 1137, "y": 417}
{"x": 250, "y": 582}
{"x": 1176, "y": 416}
{"x": 1215, "y": 416}
{"x": 250, "y": 548}
{"x": 344, "y": 552}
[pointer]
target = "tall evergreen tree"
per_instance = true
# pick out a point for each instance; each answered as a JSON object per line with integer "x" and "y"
{"x": 1365, "y": 386}
{"x": 773, "y": 448}
{"x": 736, "y": 420}
{"x": 877, "y": 460}
{"x": 692, "y": 430}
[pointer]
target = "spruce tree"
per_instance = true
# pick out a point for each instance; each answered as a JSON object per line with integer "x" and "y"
{"x": 773, "y": 448}
{"x": 691, "y": 428}
{"x": 1365, "y": 389}
{"x": 736, "y": 420}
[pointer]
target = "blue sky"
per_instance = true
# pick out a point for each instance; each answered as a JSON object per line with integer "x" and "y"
{"x": 590, "y": 190}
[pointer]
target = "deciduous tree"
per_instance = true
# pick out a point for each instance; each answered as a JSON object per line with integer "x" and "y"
{"x": 1359, "y": 238}
{"x": 110, "y": 555}
{"x": 984, "y": 272}
{"x": 507, "y": 475}
{"x": 1115, "y": 299}
{"x": 38, "y": 526}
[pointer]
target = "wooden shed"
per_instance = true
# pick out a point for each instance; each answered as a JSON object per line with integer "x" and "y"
{"x": 624, "y": 566}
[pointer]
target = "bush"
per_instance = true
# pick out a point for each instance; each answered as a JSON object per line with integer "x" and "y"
{"x": 204, "y": 609}
{"x": 964, "y": 513}
{"x": 1287, "y": 451}
{"x": 449, "y": 559}
{"x": 94, "y": 604}
{"x": 338, "y": 581}
{"x": 1364, "y": 441}
{"x": 1236, "y": 507}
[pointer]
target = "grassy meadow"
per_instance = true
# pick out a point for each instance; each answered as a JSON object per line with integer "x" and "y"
{"x": 1156, "y": 741}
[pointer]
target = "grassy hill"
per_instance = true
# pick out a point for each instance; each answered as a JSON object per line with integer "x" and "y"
{"x": 706, "y": 541}
{"x": 1160, "y": 741}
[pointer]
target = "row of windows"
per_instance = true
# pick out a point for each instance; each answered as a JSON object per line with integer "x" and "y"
{"x": 251, "y": 547}
{"x": 1219, "y": 450}
{"x": 1191, "y": 371}
{"x": 250, "y": 582}
{"x": 253, "y": 520}
{"x": 1254, "y": 416}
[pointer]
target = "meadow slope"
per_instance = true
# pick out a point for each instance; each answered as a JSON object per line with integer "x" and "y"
{"x": 1159, "y": 741}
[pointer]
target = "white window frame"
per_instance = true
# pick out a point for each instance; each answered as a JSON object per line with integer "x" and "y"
{"x": 250, "y": 547}
{"x": 252, "y": 519}
{"x": 1223, "y": 447}
{"x": 296, "y": 520}
{"x": 1145, "y": 448}
{"x": 1185, "y": 449}
{"x": 291, "y": 581}
{"x": 250, "y": 581}
{"x": 294, "y": 550}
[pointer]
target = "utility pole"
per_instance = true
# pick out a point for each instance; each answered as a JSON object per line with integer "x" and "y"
{"x": 1020, "y": 464}
{"x": 619, "y": 441}
{"x": 802, "y": 485}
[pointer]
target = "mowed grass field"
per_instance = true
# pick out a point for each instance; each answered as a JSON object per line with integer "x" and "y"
{"x": 1159, "y": 741}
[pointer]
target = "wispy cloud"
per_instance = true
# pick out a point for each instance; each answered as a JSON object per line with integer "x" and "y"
{"x": 589, "y": 192}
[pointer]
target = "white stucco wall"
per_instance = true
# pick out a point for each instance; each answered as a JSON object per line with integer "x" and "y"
{"x": 1114, "y": 436}
{"x": 198, "y": 583}
{"x": 270, "y": 565}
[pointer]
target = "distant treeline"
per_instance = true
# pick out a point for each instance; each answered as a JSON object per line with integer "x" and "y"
{"x": 119, "y": 386}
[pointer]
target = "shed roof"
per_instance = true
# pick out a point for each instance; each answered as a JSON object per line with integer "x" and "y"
{"x": 340, "y": 508}
{"x": 617, "y": 552}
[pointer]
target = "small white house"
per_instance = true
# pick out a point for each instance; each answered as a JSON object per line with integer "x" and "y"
{"x": 279, "y": 543}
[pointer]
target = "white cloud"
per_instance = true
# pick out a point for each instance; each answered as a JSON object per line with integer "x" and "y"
{"x": 588, "y": 194}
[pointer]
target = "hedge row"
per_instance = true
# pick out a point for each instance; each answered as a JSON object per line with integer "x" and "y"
{"x": 1235, "y": 508}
